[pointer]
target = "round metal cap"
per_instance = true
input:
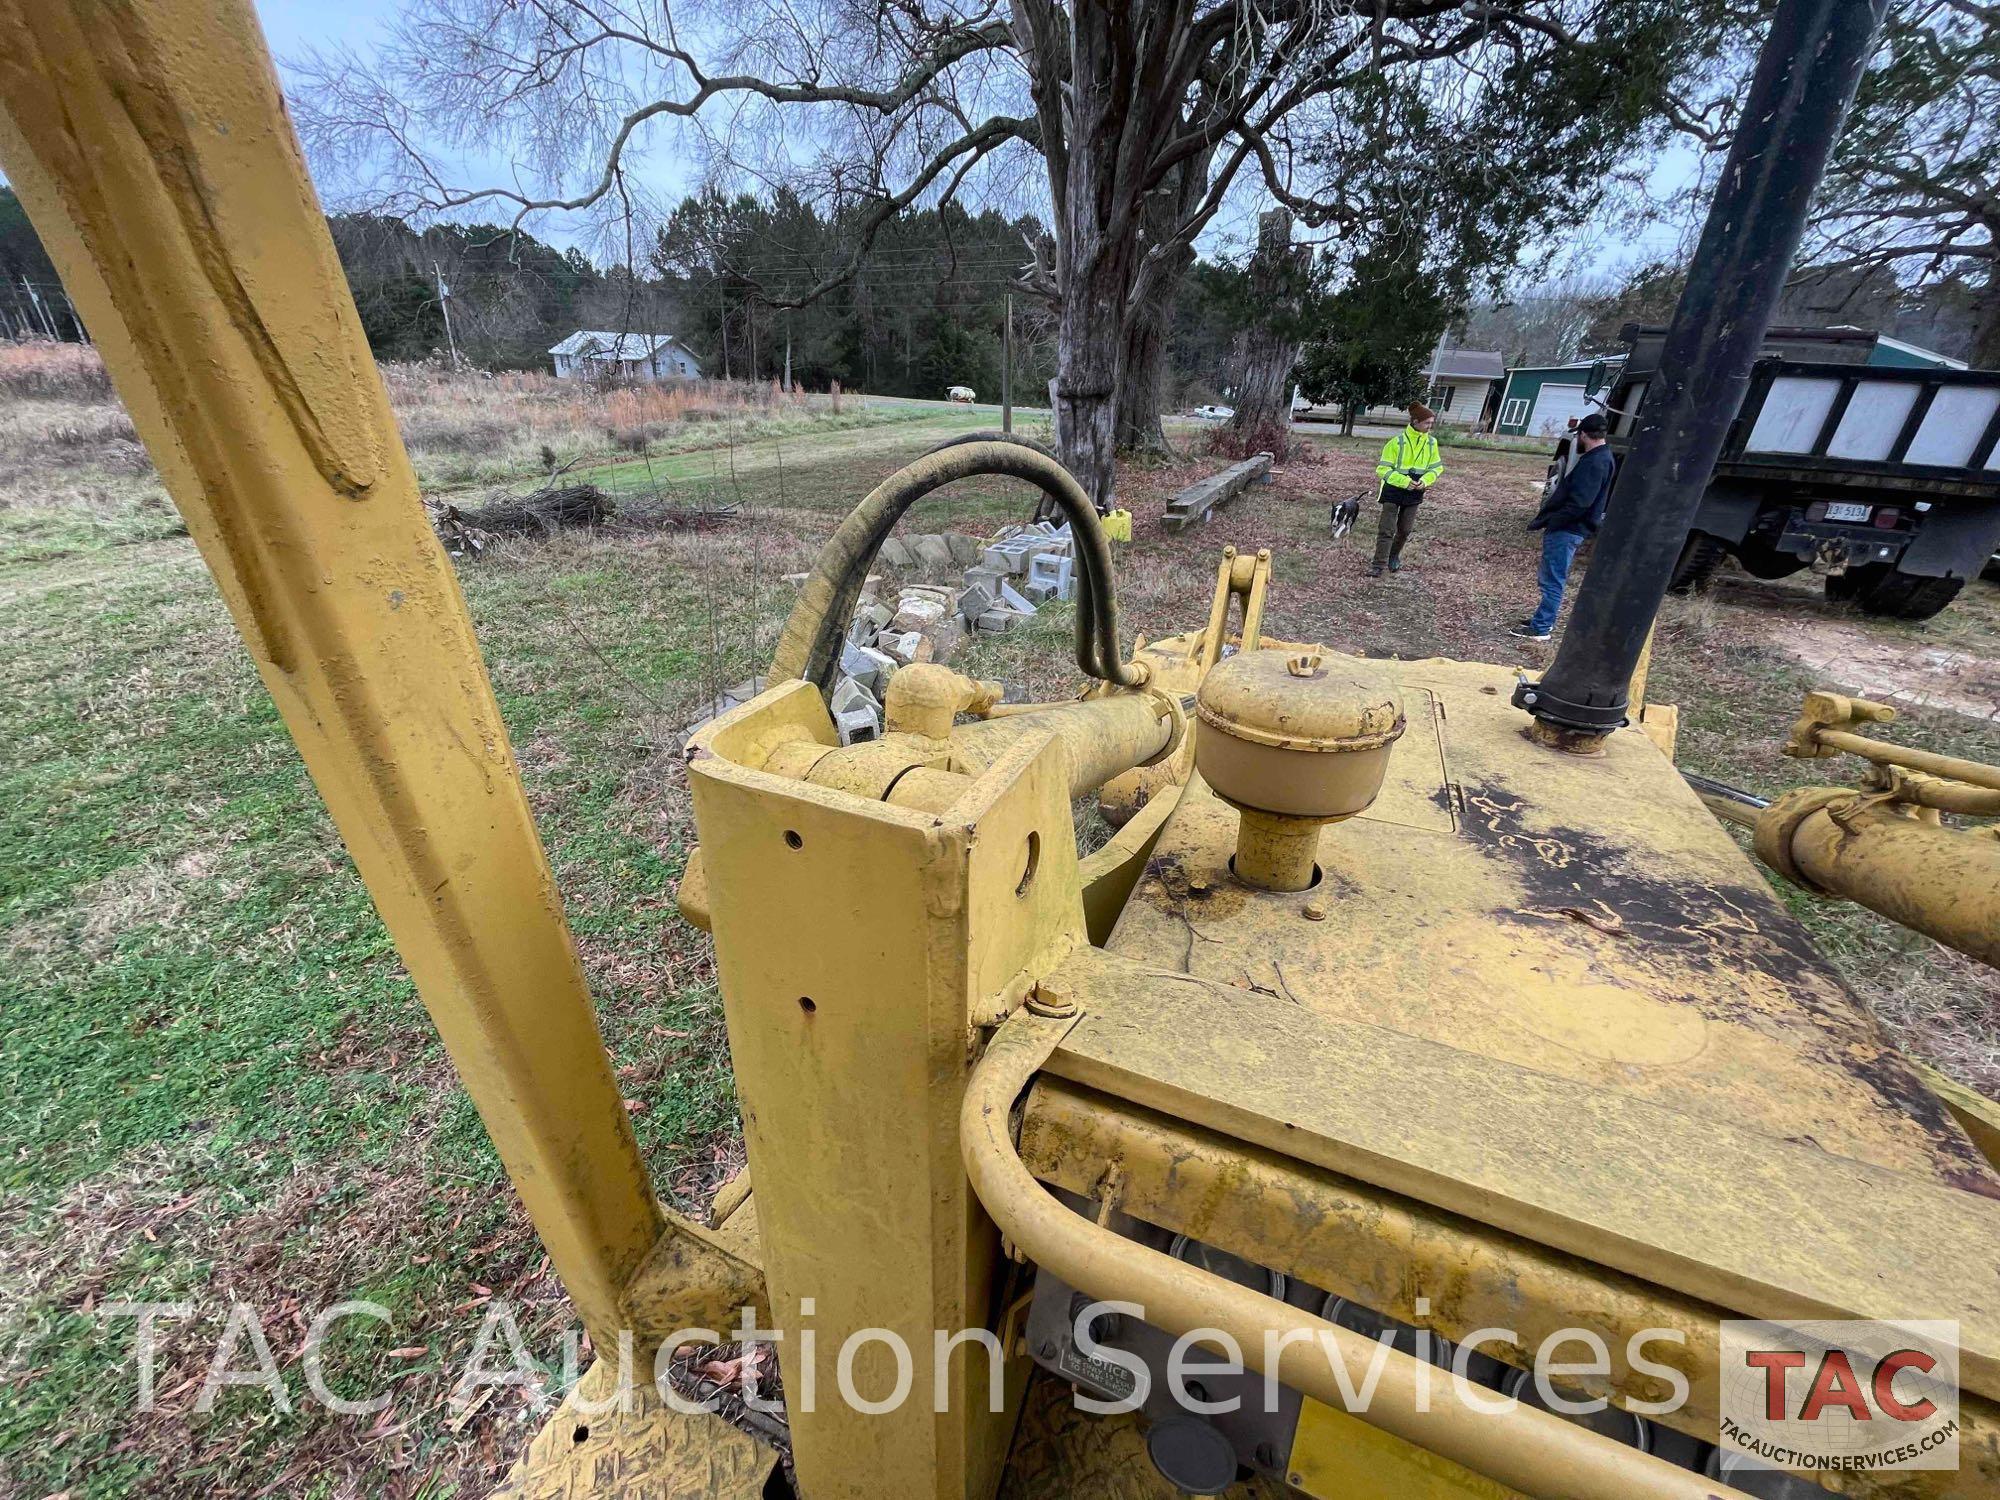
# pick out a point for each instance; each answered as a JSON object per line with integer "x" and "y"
{"x": 1194, "y": 1457}
{"x": 1302, "y": 700}
{"x": 1301, "y": 734}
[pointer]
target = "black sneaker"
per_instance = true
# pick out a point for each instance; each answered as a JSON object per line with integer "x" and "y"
{"x": 1527, "y": 632}
{"x": 1374, "y": 570}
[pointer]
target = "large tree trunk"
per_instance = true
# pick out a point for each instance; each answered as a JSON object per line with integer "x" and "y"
{"x": 1144, "y": 393}
{"x": 1090, "y": 363}
{"x": 1097, "y": 197}
{"x": 1271, "y": 342}
{"x": 1150, "y": 330}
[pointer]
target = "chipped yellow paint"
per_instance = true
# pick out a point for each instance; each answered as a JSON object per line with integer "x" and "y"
{"x": 850, "y": 1051}
{"x": 695, "y": 1278}
{"x": 1584, "y": 918}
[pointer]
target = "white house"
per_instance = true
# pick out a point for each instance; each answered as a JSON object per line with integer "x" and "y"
{"x": 632, "y": 356}
{"x": 1458, "y": 383}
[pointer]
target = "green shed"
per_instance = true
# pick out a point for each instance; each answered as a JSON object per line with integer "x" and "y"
{"x": 1540, "y": 400}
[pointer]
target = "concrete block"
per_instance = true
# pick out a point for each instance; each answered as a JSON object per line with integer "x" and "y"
{"x": 870, "y": 620}
{"x": 977, "y": 599}
{"x": 857, "y": 726}
{"x": 880, "y": 665}
{"x": 849, "y": 695}
{"x": 946, "y": 640}
{"x": 1038, "y": 593}
{"x": 1012, "y": 598}
{"x": 1010, "y": 557}
{"x": 918, "y": 613}
{"x": 995, "y": 622}
{"x": 899, "y": 647}
{"x": 1055, "y": 572}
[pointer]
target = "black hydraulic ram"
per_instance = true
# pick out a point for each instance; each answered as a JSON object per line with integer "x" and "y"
{"x": 1805, "y": 80}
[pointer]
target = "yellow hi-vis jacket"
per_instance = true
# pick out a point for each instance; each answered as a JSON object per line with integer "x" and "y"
{"x": 1407, "y": 450}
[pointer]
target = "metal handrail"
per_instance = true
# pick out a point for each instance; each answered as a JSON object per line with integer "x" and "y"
{"x": 1525, "y": 1448}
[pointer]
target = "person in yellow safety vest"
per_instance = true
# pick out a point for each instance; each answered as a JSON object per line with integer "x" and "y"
{"x": 1409, "y": 466}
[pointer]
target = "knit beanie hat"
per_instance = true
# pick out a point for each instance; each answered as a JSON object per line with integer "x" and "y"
{"x": 1420, "y": 413}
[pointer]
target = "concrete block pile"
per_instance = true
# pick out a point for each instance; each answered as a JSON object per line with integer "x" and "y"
{"x": 1001, "y": 581}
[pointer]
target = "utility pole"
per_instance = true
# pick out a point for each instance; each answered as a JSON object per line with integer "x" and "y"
{"x": 788, "y": 353}
{"x": 444, "y": 302}
{"x": 1007, "y": 370}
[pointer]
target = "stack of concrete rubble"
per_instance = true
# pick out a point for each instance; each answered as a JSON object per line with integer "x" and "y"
{"x": 1002, "y": 581}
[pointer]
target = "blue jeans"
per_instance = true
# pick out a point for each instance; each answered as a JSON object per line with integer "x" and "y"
{"x": 1558, "y": 552}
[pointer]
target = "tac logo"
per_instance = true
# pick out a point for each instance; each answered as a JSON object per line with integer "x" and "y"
{"x": 1827, "y": 1395}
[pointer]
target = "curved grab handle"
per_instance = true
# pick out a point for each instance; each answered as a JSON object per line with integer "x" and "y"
{"x": 1528, "y": 1449}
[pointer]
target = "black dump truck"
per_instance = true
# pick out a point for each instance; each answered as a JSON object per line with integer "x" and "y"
{"x": 1848, "y": 455}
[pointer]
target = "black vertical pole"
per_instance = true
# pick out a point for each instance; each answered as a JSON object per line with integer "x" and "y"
{"x": 1805, "y": 80}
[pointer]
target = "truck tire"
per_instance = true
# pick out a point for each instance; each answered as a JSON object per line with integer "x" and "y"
{"x": 1701, "y": 555}
{"x": 1901, "y": 595}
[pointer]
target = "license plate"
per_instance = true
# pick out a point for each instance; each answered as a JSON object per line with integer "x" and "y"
{"x": 1840, "y": 510}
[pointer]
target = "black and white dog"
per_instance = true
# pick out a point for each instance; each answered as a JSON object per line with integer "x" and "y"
{"x": 1345, "y": 513}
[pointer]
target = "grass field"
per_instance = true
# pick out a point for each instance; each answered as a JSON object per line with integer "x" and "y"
{"x": 215, "y": 1079}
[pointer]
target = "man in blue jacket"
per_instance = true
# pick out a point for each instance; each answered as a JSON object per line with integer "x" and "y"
{"x": 1569, "y": 517}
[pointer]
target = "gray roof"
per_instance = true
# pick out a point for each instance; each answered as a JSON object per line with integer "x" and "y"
{"x": 619, "y": 346}
{"x": 1469, "y": 364}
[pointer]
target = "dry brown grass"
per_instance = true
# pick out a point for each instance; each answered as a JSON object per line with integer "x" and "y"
{"x": 73, "y": 475}
{"x": 39, "y": 370}
{"x": 466, "y": 428}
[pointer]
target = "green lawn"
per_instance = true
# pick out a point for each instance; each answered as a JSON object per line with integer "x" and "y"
{"x": 217, "y": 1079}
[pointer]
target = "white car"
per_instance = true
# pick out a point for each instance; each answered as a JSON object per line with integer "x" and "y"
{"x": 1215, "y": 413}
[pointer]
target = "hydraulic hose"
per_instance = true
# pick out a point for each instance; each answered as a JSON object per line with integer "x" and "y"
{"x": 995, "y": 435}
{"x": 1045, "y": 508}
{"x": 810, "y": 646}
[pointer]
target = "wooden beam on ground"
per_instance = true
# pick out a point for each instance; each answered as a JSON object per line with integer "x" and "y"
{"x": 1200, "y": 498}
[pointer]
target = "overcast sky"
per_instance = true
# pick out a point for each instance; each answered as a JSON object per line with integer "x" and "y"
{"x": 292, "y": 26}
